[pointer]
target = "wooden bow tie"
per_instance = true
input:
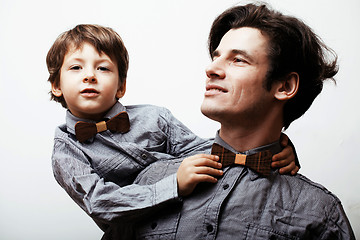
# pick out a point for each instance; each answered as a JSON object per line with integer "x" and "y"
{"x": 259, "y": 162}
{"x": 86, "y": 130}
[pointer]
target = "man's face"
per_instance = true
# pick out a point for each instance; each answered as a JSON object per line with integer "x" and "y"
{"x": 89, "y": 82}
{"x": 235, "y": 78}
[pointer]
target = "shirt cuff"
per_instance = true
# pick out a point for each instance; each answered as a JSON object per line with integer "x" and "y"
{"x": 166, "y": 189}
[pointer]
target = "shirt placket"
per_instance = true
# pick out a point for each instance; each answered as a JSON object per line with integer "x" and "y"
{"x": 226, "y": 184}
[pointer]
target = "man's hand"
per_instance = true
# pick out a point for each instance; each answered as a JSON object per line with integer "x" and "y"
{"x": 196, "y": 169}
{"x": 285, "y": 160}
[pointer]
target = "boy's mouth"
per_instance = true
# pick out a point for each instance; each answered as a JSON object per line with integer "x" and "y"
{"x": 89, "y": 92}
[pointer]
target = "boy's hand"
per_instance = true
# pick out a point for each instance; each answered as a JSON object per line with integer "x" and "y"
{"x": 196, "y": 169}
{"x": 285, "y": 160}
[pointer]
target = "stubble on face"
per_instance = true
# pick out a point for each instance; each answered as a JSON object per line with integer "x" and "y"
{"x": 239, "y": 69}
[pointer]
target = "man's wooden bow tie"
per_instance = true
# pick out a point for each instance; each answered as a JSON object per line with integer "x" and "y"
{"x": 259, "y": 162}
{"x": 86, "y": 130}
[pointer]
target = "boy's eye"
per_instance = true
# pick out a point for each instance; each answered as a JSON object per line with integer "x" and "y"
{"x": 75, "y": 67}
{"x": 103, "y": 68}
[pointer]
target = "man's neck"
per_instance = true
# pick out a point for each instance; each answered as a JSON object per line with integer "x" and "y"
{"x": 243, "y": 138}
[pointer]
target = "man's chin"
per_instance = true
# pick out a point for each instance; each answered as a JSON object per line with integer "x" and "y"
{"x": 210, "y": 112}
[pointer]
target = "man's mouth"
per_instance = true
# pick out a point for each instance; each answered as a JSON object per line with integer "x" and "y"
{"x": 215, "y": 88}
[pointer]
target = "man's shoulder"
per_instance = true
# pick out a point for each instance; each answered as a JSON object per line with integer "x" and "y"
{"x": 309, "y": 189}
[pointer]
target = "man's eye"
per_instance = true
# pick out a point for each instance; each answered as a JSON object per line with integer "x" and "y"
{"x": 240, "y": 61}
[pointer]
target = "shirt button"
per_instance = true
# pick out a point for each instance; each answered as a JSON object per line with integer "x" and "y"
{"x": 226, "y": 186}
{"x": 209, "y": 228}
{"x": 144, "y": 156}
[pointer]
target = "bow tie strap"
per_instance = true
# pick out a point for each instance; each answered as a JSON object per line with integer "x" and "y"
{"x": 101, "y": 126}
{"x": 86, "y": 130}
{"x": 259, "y": 162}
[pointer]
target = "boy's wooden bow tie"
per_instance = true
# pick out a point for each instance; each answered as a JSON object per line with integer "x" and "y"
{"x": 86, "y": 130}
{"x": 259, "y": 162}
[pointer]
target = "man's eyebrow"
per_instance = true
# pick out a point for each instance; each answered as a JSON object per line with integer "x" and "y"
{"x": 243, "y": 53}
{"x": 215, "y": 53}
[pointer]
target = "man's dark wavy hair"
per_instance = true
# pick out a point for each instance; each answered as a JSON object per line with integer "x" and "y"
{"x": 293, "y": 47}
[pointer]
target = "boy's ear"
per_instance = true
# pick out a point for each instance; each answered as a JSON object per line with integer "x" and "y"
{"x": 56, "y": 90}
{"x": 287, "y": 88}
{"x": 121, "y": 91}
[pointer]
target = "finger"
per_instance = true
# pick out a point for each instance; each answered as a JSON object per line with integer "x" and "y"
{"x": 280, "y": 163}
{"x": 206, "y": 178}
{"x": 206, "y": 162}
{"x": 284, "y": 139}
{"x": 287, "y": 168}
{"x": 295, "y": 170}
{"x": 203, "y": 155}
{"x": 284, "y": 154}
{"x": 209, "y": 171}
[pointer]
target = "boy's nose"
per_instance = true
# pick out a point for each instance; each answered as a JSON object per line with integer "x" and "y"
{"x": 90, "y": 77}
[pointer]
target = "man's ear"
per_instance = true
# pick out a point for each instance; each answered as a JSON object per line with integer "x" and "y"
{"x": 56, "y": 90}
{"x": 287, "y": 88}
{"x": 121, "y": 91}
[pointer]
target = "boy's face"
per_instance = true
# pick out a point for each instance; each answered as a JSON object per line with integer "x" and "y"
{"x": 89, "y": 82}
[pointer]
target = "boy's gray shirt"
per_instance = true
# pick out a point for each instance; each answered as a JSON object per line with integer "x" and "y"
{"x": 98, "y": 173}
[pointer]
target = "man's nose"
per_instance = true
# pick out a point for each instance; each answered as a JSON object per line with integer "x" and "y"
{"x": 215, "y": 69}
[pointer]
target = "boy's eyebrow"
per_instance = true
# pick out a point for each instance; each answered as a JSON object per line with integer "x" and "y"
{"x": 79, "y": 59}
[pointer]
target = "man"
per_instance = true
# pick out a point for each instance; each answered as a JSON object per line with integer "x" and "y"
{"x": 266, "y": 70}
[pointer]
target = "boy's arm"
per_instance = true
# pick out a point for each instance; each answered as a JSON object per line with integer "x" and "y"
{"x": 182, "y": 141}
{"x": 105, "y": 201}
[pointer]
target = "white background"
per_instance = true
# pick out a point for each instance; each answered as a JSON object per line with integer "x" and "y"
{"x": 166, "y": 40}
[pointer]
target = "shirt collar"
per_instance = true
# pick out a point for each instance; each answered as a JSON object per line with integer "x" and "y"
{"x": 274, "y": 147}
{"x": 71, "y": 120}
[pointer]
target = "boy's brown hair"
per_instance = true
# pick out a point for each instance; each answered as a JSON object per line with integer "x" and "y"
{"x": 104, "y": 39}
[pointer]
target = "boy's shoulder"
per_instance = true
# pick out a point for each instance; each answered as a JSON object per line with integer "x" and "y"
{"x": 148, "y": 109}
{"x": 61, "y": 132}
{"x": 145, "y": 107}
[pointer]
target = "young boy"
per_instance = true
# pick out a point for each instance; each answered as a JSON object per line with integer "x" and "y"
{"x": 95, "y": 158}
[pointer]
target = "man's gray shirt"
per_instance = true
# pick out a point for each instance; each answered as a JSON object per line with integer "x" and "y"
{"x": 98, "y": 173}
{"x": 244, "y": 205}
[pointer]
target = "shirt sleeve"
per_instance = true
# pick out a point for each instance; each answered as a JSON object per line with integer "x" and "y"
{"x": 105, "y": 201}
{"x": 181, "y": 140}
